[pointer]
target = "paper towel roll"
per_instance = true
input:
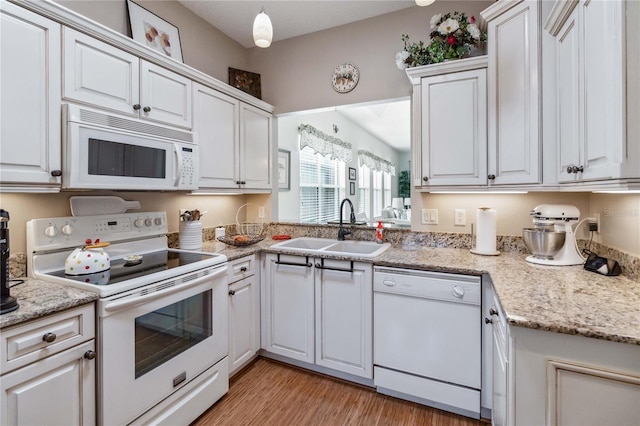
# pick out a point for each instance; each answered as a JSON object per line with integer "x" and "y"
{"x": 486, "y": 232}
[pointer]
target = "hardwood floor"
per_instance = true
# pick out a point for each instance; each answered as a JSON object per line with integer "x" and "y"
{"x": 271, "y": 393}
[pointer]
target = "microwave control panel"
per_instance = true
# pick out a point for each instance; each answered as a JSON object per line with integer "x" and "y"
{"x": 189, "y": 169}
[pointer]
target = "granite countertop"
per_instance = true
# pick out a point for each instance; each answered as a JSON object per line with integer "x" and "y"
{"x": 563, "y": 299}
{"x": 38, "y": 298}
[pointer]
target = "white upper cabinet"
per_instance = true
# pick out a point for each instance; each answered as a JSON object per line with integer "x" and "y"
{"x": 514, "y": 94}
{"x": 596, "y": 65}
{"x": 107, "y": 77}
{"x": 255, "y": 147}
{"x": 236, "y": 132}
{"x": 450, "y": 123}
{"x": 30, "y": 103}
{"x": 216, "y": 122}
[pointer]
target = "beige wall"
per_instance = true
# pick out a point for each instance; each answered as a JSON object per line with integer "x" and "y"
{"x": 204, "y": 47}
{"x": 24, "y": 207}
{"x": 619, "y": 213}
{"x": 295, "y": 73}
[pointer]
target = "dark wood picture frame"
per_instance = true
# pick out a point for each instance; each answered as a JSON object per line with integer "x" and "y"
{"x": 352, "y": 188}
{"x": 352, "y": 173}
{"x": 248, "y": 82}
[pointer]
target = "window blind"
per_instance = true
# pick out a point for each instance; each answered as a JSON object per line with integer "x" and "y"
{"x": 321, "y": 186}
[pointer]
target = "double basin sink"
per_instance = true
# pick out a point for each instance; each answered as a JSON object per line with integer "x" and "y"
{"x": 314, "y": 246}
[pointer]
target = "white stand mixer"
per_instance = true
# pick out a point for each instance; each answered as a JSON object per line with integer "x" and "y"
{"x": 562, "y": 218}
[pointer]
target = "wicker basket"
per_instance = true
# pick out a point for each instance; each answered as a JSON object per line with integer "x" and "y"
{"x": 250, "y": 229}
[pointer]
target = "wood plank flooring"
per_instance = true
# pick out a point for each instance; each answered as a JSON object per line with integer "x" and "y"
{"x": 270, "y": 393}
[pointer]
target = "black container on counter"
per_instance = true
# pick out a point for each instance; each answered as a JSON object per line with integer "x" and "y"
{"x": 7, "y": 302}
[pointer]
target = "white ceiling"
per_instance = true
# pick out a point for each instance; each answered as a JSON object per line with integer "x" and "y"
{"x": 389, "y": 122}
{"x": 289, "y": 18}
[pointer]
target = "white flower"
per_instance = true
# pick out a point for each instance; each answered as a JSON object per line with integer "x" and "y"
{"x": 400, "y": 58}
{"x": 435, "y": 19}
{"x": 448, "y": 26}
{"x": 474, "y": 31}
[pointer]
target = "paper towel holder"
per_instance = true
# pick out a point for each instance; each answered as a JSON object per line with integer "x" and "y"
{"x": 474, "y": 248}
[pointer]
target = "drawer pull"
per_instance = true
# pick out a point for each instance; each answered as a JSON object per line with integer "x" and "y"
{"x": 90, "y": 354}
{"x": 488, "y": 321}
{"x": 232, "y": 292}
{"x": 493, "y": 311}
{"x": 49, "y": 337}
{"x": 243, "y": 269}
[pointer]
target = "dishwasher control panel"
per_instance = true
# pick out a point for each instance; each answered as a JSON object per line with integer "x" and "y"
{"x": 428, "y": 285}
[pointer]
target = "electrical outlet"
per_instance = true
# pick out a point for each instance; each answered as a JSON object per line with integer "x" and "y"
{"x": 261, "y": 212}
{"x": 598, "y": 224}
{"x": 460, "y": 217}
{"x": 429, "y": 216}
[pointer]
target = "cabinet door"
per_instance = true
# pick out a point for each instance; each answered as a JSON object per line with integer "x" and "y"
{"x": 255, "y": 147}
{"x": 30, "y": 101}
{"x": 500, "y": 379}
{"x": 603, "y": 90}
{"x": 288, "y": 309}
{"x": 58, "y": 390}
{"x": 216, "y": 124}
{"x": 568, "y": 98}
{"x": 164, "y": 96}
{"x": 344, "y": 326}
{"x": 100, "y": 75}
{"x": 244, "y": 321}
{"x": 514, "y": 95}
{"x": 454, "y": 129}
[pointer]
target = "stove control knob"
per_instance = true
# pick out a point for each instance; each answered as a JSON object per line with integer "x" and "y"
{"x": 148, "y": 221}
{"x": 51, "y": 231}
{"x": 158, "y": 221}
{"x": 67, "y": 229}
{"x": 138, "y": 223}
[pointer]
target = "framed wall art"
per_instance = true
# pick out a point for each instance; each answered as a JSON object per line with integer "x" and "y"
{"x": 352, "y": 188}
{"x": 352, "y": 173}
{"x": 248, "y": 82}
{"x": 284, "y": 170}
{"x": 154, "y": 32}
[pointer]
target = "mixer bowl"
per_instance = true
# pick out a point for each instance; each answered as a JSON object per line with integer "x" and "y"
{"x": 543, "y": 243}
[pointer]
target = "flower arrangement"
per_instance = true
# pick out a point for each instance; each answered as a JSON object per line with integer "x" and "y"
{"x": 452, "y": 36}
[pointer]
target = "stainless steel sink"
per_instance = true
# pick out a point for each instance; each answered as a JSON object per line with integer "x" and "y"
{"x": 311, "y": 246}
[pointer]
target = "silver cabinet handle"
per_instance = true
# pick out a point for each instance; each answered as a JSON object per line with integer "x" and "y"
{"x": 49, "y": 337}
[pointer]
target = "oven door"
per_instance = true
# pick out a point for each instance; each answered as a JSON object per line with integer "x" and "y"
{"x": 156, "y": 339}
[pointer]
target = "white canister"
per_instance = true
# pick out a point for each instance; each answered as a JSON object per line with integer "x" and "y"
{"x": 190, "y": 236}
{"x": 220, "y": 232}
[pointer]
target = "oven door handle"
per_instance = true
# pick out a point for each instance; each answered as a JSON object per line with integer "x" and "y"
{"x": 132, "y": 301}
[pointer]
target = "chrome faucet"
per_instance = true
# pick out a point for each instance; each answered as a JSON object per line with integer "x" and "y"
{"x": 352, "y": 218}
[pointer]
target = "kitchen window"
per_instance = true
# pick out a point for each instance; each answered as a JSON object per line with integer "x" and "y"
{"x": 374, "y": 192}
{"x": 322, "y": 187}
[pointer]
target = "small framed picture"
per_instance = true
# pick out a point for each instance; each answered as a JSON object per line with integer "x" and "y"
{"x": 246, "y": 81}
{"x": 352, "y": 188}
{"x": 352, "y": 173}
{"x": 154, "y": 32}
{"x": 284, "y": 170}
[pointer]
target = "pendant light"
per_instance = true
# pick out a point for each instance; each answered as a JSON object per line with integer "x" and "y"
{"x": 424, "y": 2}
{"x": 262, "y": 30}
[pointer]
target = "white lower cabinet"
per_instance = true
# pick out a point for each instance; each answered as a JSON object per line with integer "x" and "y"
{"x": 319, "y": 311}
{"x": 49, "y": 370}
{"x": 542, "y": 377}
{"x": 244, "y": 312}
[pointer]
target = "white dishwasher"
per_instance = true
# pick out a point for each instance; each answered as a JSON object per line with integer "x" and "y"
{"x": 427, "y": 338}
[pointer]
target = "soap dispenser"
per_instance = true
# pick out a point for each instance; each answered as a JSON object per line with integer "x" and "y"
{"x": 379, "y": 232}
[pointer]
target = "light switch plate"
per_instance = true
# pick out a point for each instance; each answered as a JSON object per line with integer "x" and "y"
{"x": 429, "y": 216}
{"x": 460, "y": 217}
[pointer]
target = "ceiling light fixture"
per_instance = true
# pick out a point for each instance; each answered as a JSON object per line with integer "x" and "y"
{"x": 424, "y": 2}
{"x": 262, "y": 30}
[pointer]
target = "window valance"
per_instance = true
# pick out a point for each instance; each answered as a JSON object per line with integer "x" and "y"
{"x": 324, "y": 144}
{"x": 374, "y": 162}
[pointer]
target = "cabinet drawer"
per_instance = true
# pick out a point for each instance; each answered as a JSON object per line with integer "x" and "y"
{"x": 242, "y": 268}
{"x": 26, "y": 343}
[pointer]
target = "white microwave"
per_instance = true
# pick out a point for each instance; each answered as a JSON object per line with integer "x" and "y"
{"x": 102, "y": 150}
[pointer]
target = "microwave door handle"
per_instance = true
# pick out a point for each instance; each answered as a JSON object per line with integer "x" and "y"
{"x": 178, "y": 158}
{"x": 132, "y": 301}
